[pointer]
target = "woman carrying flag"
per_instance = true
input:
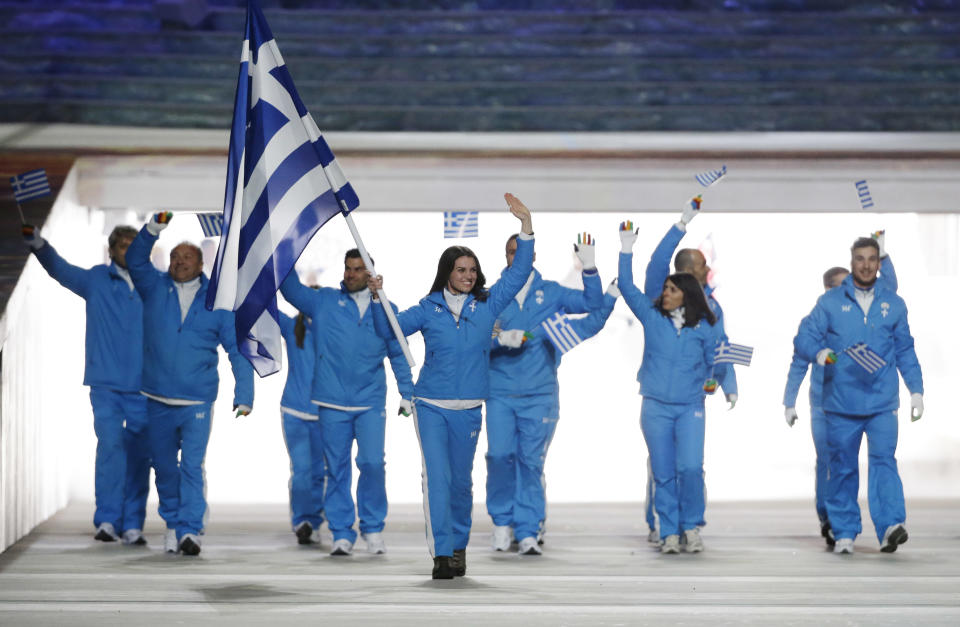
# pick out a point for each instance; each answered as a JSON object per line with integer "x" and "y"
{"x": 456, "y": 319}
{"x": 678, "y": 354}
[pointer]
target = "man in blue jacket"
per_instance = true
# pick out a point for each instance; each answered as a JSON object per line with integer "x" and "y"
{"x": 180, "y": 378}
{"x": 350, "y": 389}
{"x": 818, "y": 421}
{"x": 114, "y": 357}
{"x": 524, "y": 404}
{"x": 858, "y": 401}
{"x": 692, "y": 261}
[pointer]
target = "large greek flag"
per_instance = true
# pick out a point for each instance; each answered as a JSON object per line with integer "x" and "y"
{"x": 283, "y": 183}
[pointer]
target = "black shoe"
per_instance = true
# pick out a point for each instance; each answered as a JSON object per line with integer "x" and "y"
{"x": 443, "y": 567}
{"x": 304, "y": 531}
{"x": 827, "y": 532}
{"x": 892, "y": 538}
{"x": 189, "y": 547}
{"x": 141, "y": 541}
{"x": 459, "y": 562}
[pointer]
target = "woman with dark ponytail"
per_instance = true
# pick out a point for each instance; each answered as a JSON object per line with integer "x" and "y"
{"x": 676, "y": 373}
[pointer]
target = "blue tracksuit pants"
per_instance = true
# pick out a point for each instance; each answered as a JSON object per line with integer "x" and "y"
{"x": 818, "y": 425}
{"x": 122, "y": 466}
{"x": 448, "y": 443}
{"x": 181, "y": 486}
{"x": 884, "y": 489}
{"x": 674, "y": 434}
{"x": 308, "y": 474}
{"x": 519, "y": 432}
{"x": 340, "y": 428}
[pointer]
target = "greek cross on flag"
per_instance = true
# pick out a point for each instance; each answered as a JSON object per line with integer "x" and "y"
{"x": 728, "y": 353}
{"x": 863, "y": 193}
{"x": 866, "y": 357}
{"x": 461, "y": 224}
{"x": 32, "y": 184}
{"x": 283, "y": 184}
{"x": 560, "y": 332}
{"x": 211, "y": 224}
{"x": 708, "y": 178}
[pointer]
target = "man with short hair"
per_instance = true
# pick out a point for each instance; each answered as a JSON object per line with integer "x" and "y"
{"x": 180, "y": 378}
{"x": 862, "y": 315}
{"x": 114, "y": 357}
{"x": 349, "y": 389}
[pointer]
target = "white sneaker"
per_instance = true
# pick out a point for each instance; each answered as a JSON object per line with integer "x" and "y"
{"x": 671, "y": 544}
{"x": 529, "y": 546}
{"x": 502, "y": 535}
{"x": 134, "y": 536}
{"x": 342, "y": 547}
{"x": 106, "y": 533}
{"x": 894, "y": 536}
{"x": 375, "y": 543}
{"x": 693, "y": 541}
{"x": 844, "y": 545}
{"x": 315, "y": 537}
{"x": 654, "y": 537}
{"x": 170, "y": 544}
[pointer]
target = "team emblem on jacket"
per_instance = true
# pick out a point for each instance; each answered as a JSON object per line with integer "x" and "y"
{"x": 342, "y": 303}
{"x": 884, "y": 309}
{"x": 845, "y": 308}
{"x": 438, "y": 309}
{"x": 539, "y": 297}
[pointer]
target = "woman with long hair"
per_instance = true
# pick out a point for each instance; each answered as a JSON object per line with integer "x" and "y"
{"x": 456, "y": 319}
{"x": 676, "y": 372}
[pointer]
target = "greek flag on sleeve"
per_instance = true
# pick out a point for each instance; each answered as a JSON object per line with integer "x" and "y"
{"x": 866, "y": 357}
{"x": 461, "y": 224}
{"x": 560, "y": 332}
{"x": 729, "y": 353}
{"x": 29, "y": 185}
{"x": 283, "y": 184}
{"x": 211, "y": 224}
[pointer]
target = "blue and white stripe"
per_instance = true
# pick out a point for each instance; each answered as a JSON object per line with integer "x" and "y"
{"x": 729, "y": 353}
{"x": 708, "y": 178}
{"x": 560, "y": 332}
{"x": 863, "y": 194}
{"x": 866, "y": 357}
{"x": 283, "y": 184}
{"x": 32, "y": 184}
{"x": 211, "y": 224}
{"x": 461, "y": 224}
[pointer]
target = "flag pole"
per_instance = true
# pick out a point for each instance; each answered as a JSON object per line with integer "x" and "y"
{"x": 22, "y": 219}
{"x": 387, "y": 309}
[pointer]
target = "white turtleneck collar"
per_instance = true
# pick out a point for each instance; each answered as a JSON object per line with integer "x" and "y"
{"x": 454, "y": 302}
{"x": 186, "y": 291}
{"x": 125, "y": 275}
{"x": 676, "y": 317}
{"x": 362, "y": 299}
{"x": 864, "y": 297}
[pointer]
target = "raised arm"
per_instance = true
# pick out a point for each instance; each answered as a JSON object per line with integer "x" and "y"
{"x": 71, "y": 277}
{"x": 514, "y": 277}
{"x": 145, "y": 276}
{"x": 636, "y": 300}
{"x": 299, "y": 295}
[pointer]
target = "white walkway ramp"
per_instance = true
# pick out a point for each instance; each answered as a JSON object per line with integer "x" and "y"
{"x": 764, "y": 565}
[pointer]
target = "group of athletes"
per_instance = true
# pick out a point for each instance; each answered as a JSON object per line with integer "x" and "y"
{"x": 151, "y": 365}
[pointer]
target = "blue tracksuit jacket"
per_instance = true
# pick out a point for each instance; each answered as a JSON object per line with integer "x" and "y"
{"x": 532, "y": 368}
{"x": 180, "y": 359}
{"x": 675, "y": 363}
{"x": 296, "y": 391}
{"x": 838, "y": 322}
{"x": 657, "y": 272}
{"x": 114, "y": 337}
{"x": 349, "y": 354}
{"x": 457, "y": 359}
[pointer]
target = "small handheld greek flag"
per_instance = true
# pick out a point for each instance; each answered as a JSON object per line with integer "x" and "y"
{"x": 560, "y": 332}
{"x": 866, "y": 357}
{"x": 728, "y": 353}
{"x": 708, "y": 178}
{"x": 461, "y": 224}
{"x": 211, "y": 224}
{"x": 863, "y": 193}
{"x": 32, "y": 184}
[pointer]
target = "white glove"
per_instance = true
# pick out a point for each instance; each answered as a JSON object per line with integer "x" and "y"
{"x": 826, "y": 356}
{"x": 690, "y": 210}
{"x": 916, "y": 407}
{"x": 790, "y": 414}
{"x": 31, "y": 236}
{"x": 613, "y": 289}
{"x": 406, "y": 408}
{"x": 586, "y": 251}
{"x": 511, "y": 338}
{"x": 732, "y": 399}
{"x": 242, "y": 410}
{"x": 880, "y": 236}
{"x": 628, "y": 237}
{"x": 158, "y": 222}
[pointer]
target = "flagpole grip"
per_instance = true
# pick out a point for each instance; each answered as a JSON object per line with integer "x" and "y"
{"x": 382, "y": 295}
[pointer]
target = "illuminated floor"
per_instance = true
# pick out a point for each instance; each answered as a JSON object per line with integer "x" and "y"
{"x": 763, "y": 565}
